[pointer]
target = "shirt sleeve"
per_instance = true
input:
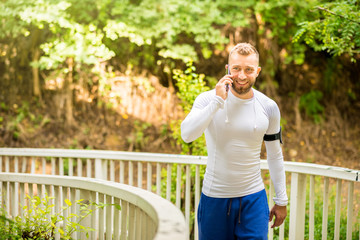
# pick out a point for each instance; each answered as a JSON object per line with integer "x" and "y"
{"x": 200, "y": 116}
{"x": 275, "y": 158}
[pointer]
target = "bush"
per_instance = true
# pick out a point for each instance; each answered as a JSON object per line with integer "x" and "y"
{"x": 40, "y": 221}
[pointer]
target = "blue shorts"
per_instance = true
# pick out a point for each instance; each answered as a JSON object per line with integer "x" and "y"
{"x": 234, "y": 218}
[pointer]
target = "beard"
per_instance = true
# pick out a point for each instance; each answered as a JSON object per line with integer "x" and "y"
{"x": 242, "y": 89}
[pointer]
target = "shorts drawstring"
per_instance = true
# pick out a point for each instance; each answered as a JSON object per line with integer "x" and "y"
{"x": 240, "y": 212}
{"x": 229, "y": 207}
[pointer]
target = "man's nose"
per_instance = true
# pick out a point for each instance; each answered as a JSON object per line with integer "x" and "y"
{"x": 241, "y": 75}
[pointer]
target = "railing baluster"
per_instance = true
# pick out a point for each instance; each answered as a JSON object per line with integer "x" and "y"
{"x": 61, "y": 166}
{"x": 57, "y": 194}
{"x": 64, "y": 195}
{"x": 2, "y": 193}
{"x": 131, "y": 172}
{"x": 109, "y": 214}
{"x": 93, "y": 234}
{"x": 337, "y": 209}
{"x": 39, "y": 190}
{"x": 88, "y": 168}
{"x": 7, "y": 164}
{"x": 143, "y": 230}
{"x": 312, "y": 207}
{"x": 53, "y": 166}
{"x": 112, "y": 170}
{"x": 80, "y": 167}
{"x": 122, "y": 172}
{"x": 71, "y": 167}
{"x": 43, "y": 161}
{"x": 158, "y": 179}
{"x": 16, "y": 164}
{"x": 124, "y": 217}
{"x": 197, "y": 199}
{"x": 178, "y": 186}
{"x": 140, "y": 174}
{"x": 271, "y": 204}
{"x": 73, "y": 207}
{"x": 149, "y": 176}
{"x": 32, "y": 168}
{"x": 187, "y": 195}
{"x": 101, "y": 218}
{"x": 138, "y": 223}
{"x": 325, "y": 209}
{"x": 22, "y": 199}
{"x": 1, "y": 163}
{"x": 350, "y": 211}
{"x": 132, "y": 225}
{"x": 168, "y": 181}
{"x": 297, "y": 206}
{"x": 23, "y": 164}
{"x": 7, "y": 193}
{"x": 116, "y": 225}
{"x": 16, "y": 186}
{"x": 282, "y": 231}
{"x": 31, "y": 189}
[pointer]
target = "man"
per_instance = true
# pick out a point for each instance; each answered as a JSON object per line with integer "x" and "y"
{"x": 236, "y": 119}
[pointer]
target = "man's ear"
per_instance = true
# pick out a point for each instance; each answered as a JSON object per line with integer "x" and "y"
{"x": 258, "y": 71}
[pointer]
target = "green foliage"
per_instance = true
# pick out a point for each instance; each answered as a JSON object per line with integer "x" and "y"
{"x": 190, "y": 85}
{"x": 138, "y": 138}
{"x": 334, "y": 27}
{"x": 310, "y": 102}
{"x": 39, "y": 221}
{"x": 278, "y": 22}
{"x": 20, "y": 114}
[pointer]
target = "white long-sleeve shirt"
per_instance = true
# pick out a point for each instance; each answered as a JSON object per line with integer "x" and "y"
{"x": 234, "y": 131}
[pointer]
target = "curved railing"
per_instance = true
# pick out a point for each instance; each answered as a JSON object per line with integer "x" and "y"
{"x": 178, "y": 178}
{"x": 140, "y": 214}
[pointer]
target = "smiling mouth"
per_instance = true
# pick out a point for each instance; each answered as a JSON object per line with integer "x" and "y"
{"x": 241, "y": 83}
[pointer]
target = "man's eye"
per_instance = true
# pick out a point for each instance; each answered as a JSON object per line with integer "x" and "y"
{"x": 249, "y": 70}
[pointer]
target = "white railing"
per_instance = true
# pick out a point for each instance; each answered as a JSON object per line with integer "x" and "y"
{"x": 140, "y": 214}
{"x": 163, "y": 175}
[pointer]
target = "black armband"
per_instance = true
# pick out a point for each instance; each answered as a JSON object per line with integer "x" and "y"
{"x": 273, "y": 137}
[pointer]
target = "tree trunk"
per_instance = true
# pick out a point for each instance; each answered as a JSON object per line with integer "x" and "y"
{"x": 35, "y": 71}
{"x": 69, "y": 118}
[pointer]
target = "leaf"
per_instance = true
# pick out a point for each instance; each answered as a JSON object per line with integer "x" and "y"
{"x": 68, "y": 202}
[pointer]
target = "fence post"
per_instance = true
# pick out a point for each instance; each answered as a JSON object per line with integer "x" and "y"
{"x": 297, "y": 206}
{"x": 100, "y": 169}
{"x": 86, "y": 222}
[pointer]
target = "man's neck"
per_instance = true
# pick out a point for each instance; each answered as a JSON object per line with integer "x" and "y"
{"x": 247, "y": 95}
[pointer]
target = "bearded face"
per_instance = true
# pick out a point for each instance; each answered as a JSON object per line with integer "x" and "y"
{"x": 244, "y": 69}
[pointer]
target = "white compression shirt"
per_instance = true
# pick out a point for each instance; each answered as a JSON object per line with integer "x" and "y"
{"x": 234, "y": 131}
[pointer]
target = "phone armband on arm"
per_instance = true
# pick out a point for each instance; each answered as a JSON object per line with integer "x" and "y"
{"x": 273, "y": 137}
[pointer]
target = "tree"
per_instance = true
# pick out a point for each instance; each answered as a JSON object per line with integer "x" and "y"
{"x": 334, "y": 27}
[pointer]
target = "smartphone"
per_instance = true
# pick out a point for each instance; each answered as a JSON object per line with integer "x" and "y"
{"x": 227, "y": 85}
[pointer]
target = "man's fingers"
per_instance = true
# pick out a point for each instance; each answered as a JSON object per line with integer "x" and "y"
{"x": 278, "y": 220}
{"x": 271, "y": 216}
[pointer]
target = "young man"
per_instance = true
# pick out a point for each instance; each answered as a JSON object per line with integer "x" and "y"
{"x": 236, "y": 119}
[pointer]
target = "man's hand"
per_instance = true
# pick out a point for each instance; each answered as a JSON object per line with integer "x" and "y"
{"x": 221, "y": 86}
{"x": 280, "y": 213}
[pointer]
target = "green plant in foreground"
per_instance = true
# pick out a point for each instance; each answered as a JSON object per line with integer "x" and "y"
{"x": 190, "y": 85}
{"x": 40, "y": 221}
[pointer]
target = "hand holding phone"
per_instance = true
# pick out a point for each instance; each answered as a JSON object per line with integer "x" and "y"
{"x": 227, "y": 85}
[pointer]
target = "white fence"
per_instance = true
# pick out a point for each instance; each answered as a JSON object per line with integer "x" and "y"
{"x": 140, "y": 214}
{"x": 177, "y": 178}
